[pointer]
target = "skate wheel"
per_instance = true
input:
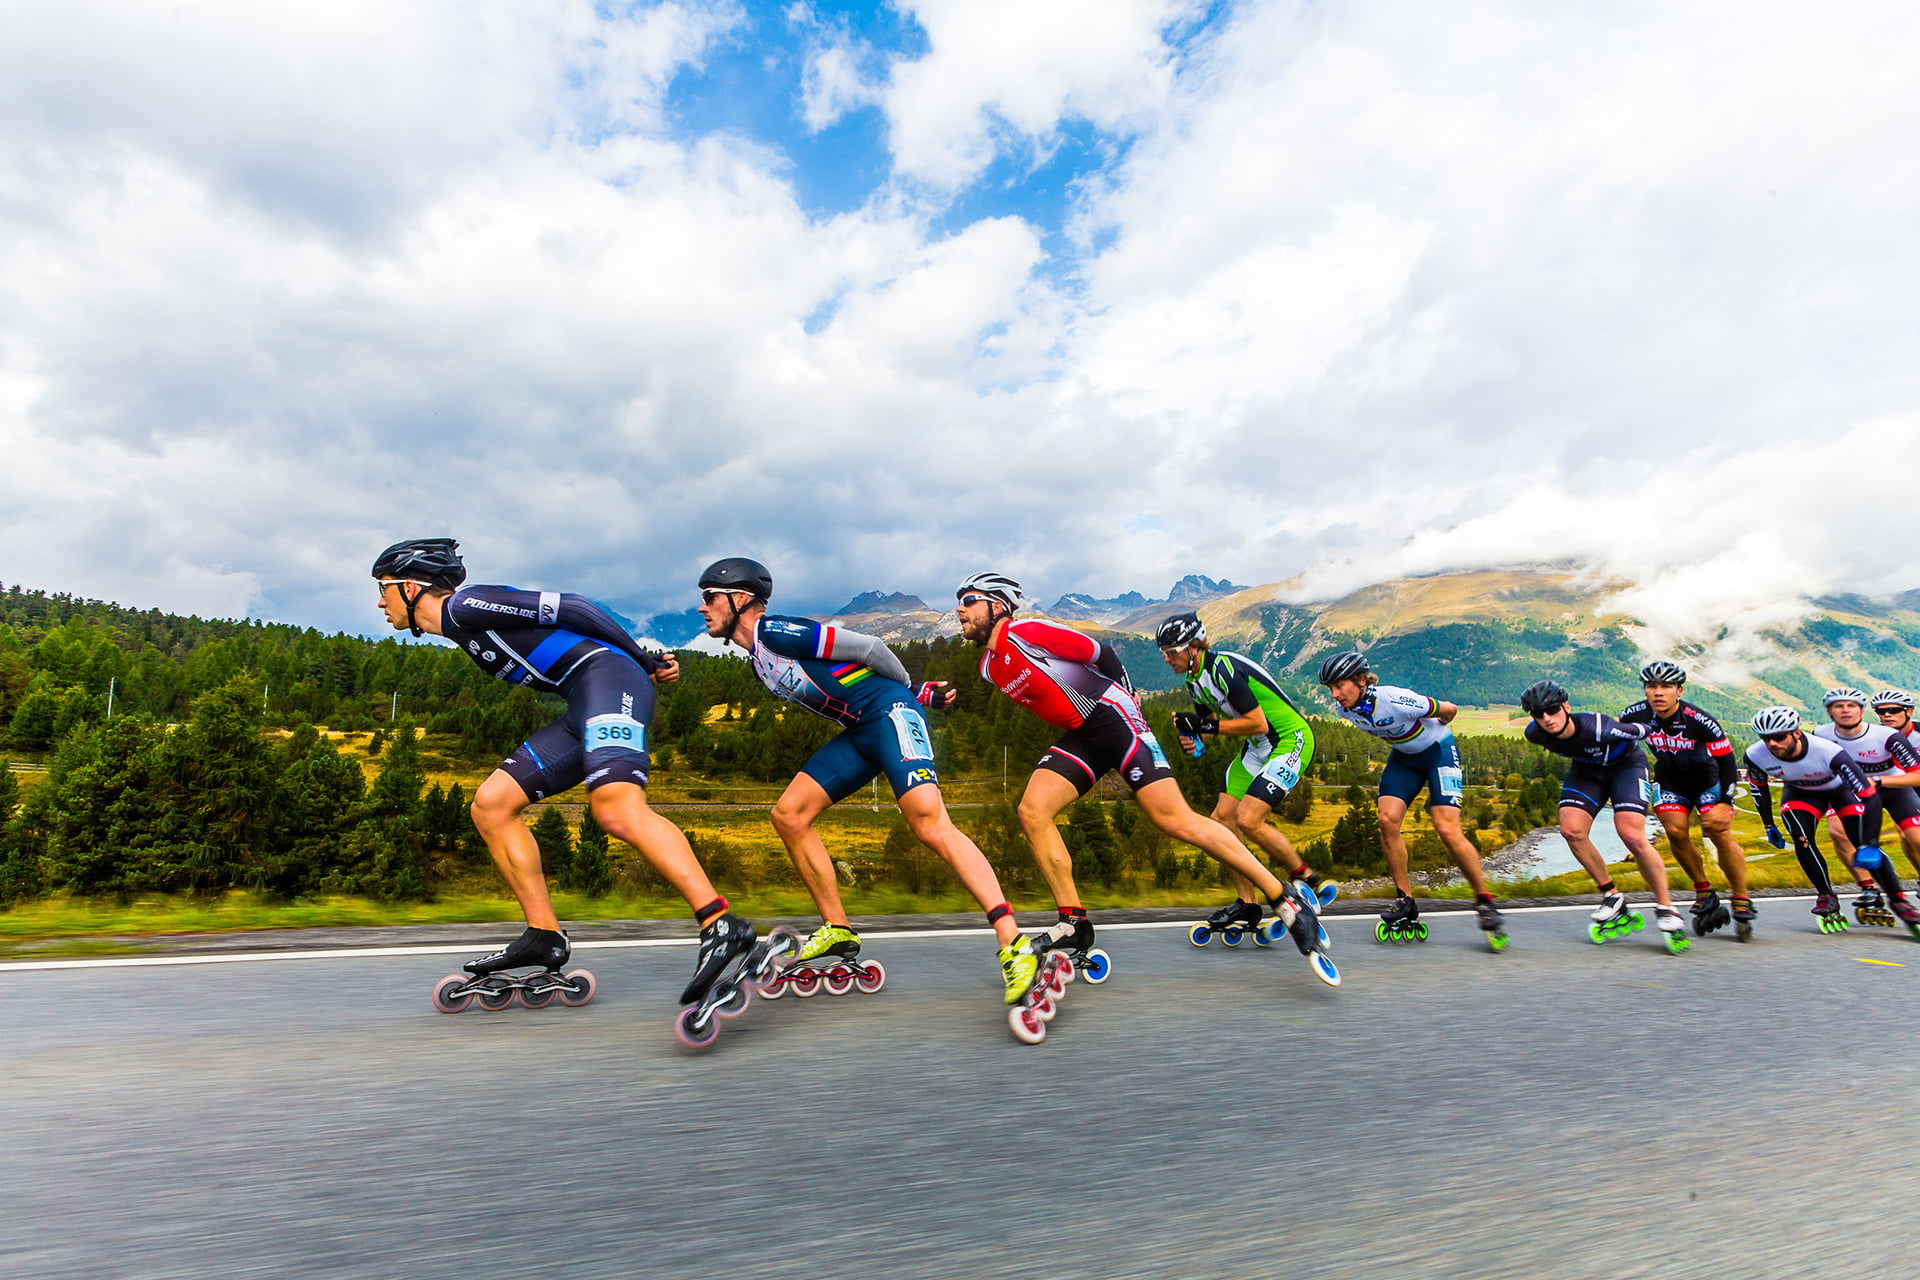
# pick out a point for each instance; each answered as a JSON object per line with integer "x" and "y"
{"x": 1321, "y": 929}
{"x": 1230, "y": 937}
{"x": 1743, "y": 930}
{"x": 1261, "y": 937}
{"x": 773, "y": 988}
{"x": 494, "y": 999}
{"x": 1098, "y": 967}
{"x": 1327, "y": 892}
{"x": 1324, "y": 969}
{"x": 735, "y": 1004}
{"x": 1200, "y": 935}
{"x": 805, "y": 984}
{"x": 538, "y": 997}
{"x": 837, "y": 983}
{"x": 1053, "y": 981}
{"x": 443, "y": 998}
{"x": 1498, "y": 941}
{"x": 1596, "y": 933}
{"x": 580, "y": 992}
{"x": 1045, "y": 1008}
{"x": 871, "y": 978}
{"x": 782, "y": 941}
{"x": 1380, "y": 932}
{"x": 1678, "y": 942}
{"x": 1028, "y": 1027}
{"x": 1636, "y": 922}
{"x": 1420, "y": 930}
{"x": 694, "y": 1034}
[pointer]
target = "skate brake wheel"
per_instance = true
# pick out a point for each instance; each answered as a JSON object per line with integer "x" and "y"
{"x": 693, "y": 1031}
{"x": 443, "y": 998}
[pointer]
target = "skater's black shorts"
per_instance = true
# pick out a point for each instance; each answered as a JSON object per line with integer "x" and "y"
{"x": 1115, "y": 736}
{"x": 1682, "y": 792}
{"x": 1623, "y": 784}
{"x": 601, "y": 739}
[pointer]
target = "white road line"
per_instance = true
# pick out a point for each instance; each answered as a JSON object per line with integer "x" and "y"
{"x": 354, "y": 953}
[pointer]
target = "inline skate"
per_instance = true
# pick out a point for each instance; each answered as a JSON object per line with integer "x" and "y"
{"x": 1237, "y": 920}
{"x": 1903, "y": 906}
{"x": 829, "y": 961}
{"x": 726, "y": 993}
{"x": 1401, "y": 922}
{"x": 1869, "y": 907}
{"x": 1037, "y": 1005}
{"x": 1491, "y": 924}
{"x": 1673, "y": 928}
{"x": 1743, "y": 918}
{"x": 1294, "y": 909}
{"x": 1611, "y": 919}
{"x": 1074, "y": 938}
{"x": 1826, "y": 908}
{"x": 1709, "y": 913}
{"x": 487, "y": 982}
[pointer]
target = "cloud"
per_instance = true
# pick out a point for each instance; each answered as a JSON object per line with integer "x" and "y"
{"x": 1357, "y": 291}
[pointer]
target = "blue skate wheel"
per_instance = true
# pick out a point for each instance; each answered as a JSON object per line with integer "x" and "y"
{"x": 1325, "y": 969}
{"x": 1230, "y": 937}
{"x": 1200, "y": 935}
{"x": 1327, "y": 892}
{"x": 1098, "y": 966}
{"x": 1262, "y": 936}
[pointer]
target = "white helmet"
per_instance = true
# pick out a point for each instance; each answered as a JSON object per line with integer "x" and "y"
{"x": 1843, "y": 694}
{"x": 998, "y": 586}
{"x": 1772, "y": 720}
{"x": 1893, "y": 698}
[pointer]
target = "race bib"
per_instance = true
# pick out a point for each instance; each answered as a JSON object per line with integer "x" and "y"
{"x": 615, "y": 732}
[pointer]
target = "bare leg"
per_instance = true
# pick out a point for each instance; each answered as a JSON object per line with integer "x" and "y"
{"x": 1633, "y": 833}
{"x": 1393, "y": 811}
{"x": 496, "y": 809}
{"x": 1249, "y": 818}
{"x": 926, "y": 813}
{"x": 1680, "y": 840}
{"x": 1223, "y": 813}
{"x": 1046, "y": 796}
{"x": 794, "y": 814}
{"x": 1910, "y": 841}
{"x": 1575, "y": 825}
{"x": 1717, "y": 823}
{"x": 1167, "y": 809}
{"x": 621, "y": 809}
{"x": 1446, "y": 821}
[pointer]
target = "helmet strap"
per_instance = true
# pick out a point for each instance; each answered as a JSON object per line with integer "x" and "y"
{"x": 419, "y": 590}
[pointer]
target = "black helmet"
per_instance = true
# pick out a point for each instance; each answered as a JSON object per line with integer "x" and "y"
{"x": 1179, "y": 631}
{"x": 434, "y": 561}
{"x": 737, "y": 573}
{"x": 1663, "y": 672}
{"x": 1343, "y": 666}
{"x": 1543, "y": 695}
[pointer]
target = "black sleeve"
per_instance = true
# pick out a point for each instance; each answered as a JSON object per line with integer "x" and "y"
{"x": 577, "y": 613}
{"x": 1107, "y": 663}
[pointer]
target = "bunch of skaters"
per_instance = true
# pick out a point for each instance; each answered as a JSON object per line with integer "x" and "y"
{"x": 567, "y": 645}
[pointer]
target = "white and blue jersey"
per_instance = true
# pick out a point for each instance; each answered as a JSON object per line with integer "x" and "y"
{"x": 1409, "y": 722}
{"x": 855, "y": 681}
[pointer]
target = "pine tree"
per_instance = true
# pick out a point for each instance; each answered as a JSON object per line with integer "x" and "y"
{"x": 550, "y": 832}
{"x": 389, "y": 843}
{"x": 592, "y": 870}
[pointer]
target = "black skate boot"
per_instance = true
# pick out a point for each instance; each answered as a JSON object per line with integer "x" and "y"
{"x": 1072, "y": 936}
{"x": 1826, "y": 907}
{"x": 1708, "y": 913}
{"x": 1401, "y": 922}
{"x": 536, "y": 948}
{"x": 721, "y": 942}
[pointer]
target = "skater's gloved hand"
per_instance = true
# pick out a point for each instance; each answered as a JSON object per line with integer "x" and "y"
{"x": 1774, "y": 837}
{"x": 668, "y": 671}
{"x": 936, "y": 694}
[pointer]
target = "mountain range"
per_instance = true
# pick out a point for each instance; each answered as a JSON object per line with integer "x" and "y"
{"x": 1478, "y": 638}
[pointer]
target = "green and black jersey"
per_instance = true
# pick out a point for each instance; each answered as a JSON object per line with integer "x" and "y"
{"x": 1231, "y": 685}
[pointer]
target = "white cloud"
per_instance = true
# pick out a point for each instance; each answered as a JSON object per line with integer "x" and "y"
{"x": 1381, "y": 287}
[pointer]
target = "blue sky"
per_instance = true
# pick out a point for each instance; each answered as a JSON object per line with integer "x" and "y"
{"x": 1094, "y": 292}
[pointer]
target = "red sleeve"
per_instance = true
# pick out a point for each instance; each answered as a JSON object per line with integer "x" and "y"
{"x": 1061, "y": 641}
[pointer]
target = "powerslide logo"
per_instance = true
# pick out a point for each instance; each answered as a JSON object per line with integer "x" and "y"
{"x": 491, "y": 606}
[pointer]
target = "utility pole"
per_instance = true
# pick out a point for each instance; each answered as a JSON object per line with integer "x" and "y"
{"x": 1003, "y": 771}
{"x": 393, "y": 708}
{"x": 111, "y": 681}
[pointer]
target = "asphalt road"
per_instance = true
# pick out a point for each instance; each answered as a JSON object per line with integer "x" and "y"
{"x": 1560, "y": 1110}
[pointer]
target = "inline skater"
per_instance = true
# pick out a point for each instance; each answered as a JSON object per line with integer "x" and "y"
{"x": 1817, "y": 775}
{"x": 563, "y": 644}
{"x": 1235, "y": 697}
{"x": 1894, "y": 709}
{"x": 1078, "y": 684}
{"x": 1607, "y": 768}
{"x": 1694, "y": 770}
{"x": 1880, "y": 750}
{"x": 855, "y": 681}
{"x": 1424, "y": 754}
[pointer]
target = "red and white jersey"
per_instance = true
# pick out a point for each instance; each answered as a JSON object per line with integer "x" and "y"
{"x": 1877, "y": 749}
{"x": 1824, "y": 766}
{"x": 1050, "y": 670}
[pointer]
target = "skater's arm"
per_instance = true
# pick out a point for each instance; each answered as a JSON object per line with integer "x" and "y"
{"x": 577, "y": 613}
{"x": 1107, "y": 662}
{"x": 1444, "y": 712}
{"x": 856, "y": 646}
{"x": 1906, "y": 759}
